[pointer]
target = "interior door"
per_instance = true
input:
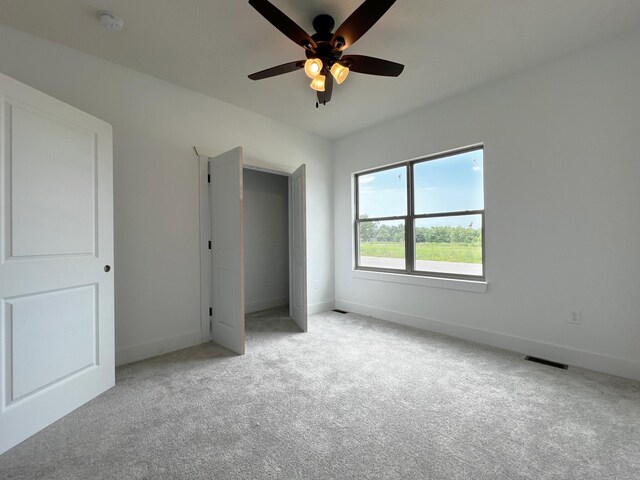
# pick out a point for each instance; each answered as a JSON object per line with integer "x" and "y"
{"x": 227, "y": 262}
{"x": 56, "y": 240}
{"x": 298, "y": 247}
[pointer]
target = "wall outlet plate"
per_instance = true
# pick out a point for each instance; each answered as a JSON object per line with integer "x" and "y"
{"x": 575, "y": 317}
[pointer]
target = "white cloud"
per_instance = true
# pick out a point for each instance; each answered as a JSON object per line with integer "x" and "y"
{"x": 367, "y": 179}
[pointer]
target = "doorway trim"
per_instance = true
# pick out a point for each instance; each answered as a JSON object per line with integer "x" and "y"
{"x": 204, "y": 154}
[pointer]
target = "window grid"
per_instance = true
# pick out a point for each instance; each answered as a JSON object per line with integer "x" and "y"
{"x": 411, "y": 217}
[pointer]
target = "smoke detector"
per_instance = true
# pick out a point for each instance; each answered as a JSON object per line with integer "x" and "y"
{"x": 110, "y": 21}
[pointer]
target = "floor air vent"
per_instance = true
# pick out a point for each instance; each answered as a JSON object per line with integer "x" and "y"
{"x": 339, "y": 311}
{"x": 546, "y": 362}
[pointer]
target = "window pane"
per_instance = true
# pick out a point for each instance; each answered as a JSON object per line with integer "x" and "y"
{"x": 450, "y": 184}
{"x": 383, "y": 194}
{"x": 382, "y": 244}
{"x": 449, "y": 245}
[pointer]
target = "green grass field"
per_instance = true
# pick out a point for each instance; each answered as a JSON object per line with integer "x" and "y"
{"x": 439, "y": 252}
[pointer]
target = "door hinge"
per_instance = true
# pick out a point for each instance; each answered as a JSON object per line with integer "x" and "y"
{"x": 210, "y": 312}
{"x": 208, "y": 178}
{"x": 209, "y": 244}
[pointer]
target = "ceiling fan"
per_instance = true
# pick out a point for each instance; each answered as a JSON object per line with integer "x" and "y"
{"x": 324, "y": 49}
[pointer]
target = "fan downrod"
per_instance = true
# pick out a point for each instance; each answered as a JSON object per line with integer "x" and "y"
{"x": 324, "y": 23}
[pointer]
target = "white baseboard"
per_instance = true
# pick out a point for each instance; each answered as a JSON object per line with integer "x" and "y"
{"x": 147, "y": 350}
{"x": 320, "y": 307}
{"x": 264, "y": 304}
{"x": 557, "y": 353}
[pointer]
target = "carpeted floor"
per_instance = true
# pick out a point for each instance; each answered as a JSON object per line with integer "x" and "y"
{"x": 355, "y": 398}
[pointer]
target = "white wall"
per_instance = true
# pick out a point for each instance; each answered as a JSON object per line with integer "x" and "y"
{"x": 562, "y": 175}
{"x": 156, "y": 125}
{"x": 266, "y": 240}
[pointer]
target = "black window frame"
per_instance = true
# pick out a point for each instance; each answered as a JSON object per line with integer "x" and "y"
{"x": 411, "y": 217}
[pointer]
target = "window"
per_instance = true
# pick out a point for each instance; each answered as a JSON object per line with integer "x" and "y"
{"x": 423, "y": 217}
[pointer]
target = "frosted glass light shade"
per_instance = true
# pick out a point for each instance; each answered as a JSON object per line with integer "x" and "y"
{"x": 339, "y": 72}
{"x": 313, "y": 67}
{"x": 318, "y": 83}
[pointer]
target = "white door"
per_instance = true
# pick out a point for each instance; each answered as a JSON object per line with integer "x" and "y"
{"x": 227, "y": 262}
{"x": 56, "y": 240}
{"x": 298, "y": 248}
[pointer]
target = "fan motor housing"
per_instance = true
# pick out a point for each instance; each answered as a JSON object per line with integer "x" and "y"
{"x": 325, "y": 51}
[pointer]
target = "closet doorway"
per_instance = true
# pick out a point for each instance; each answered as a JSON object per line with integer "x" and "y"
{"x": 266, "y": 240}
{"x": 271, "y": 222}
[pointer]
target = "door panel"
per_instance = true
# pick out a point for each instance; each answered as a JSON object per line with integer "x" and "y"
{"x": 227, "y": 312}
{"x": 227, "y": 259}
{"x": 298, "y": 278}
{"x": 298, "y": 246}
{"x": 52, "y": 160}
{"x": 56, "y": 349}
{"x": 56, "y": 300}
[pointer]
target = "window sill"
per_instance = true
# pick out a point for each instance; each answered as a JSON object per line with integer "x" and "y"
{"x": 476, "y": 286}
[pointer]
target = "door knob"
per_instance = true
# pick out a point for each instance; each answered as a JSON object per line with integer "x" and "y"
{"x": 107, "y": 268}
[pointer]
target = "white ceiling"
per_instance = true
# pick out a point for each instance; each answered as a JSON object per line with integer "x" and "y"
{"x": 210, "y": 46}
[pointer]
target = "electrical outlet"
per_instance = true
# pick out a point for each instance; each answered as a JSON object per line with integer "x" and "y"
{"x": 575, "y": 318}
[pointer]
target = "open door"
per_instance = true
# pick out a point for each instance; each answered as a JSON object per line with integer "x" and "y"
{"x": 56, "y": 252}
{"x": 227, "y": 265}
{"x": 298, "y": 247}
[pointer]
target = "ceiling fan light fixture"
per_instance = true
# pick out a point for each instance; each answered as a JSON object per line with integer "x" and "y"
{"x": 318, "y": 83}
{"x": 313, "y": 67}
{"x": 339, "y": 72}
{"x": 324, "y": 62}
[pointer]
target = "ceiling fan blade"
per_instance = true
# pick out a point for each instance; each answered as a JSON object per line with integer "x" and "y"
{"x": 372, "y": 65}
{"x": 324, "y": 97}
{"x": 279, "y": 70}
{"x": 364, "y": 17}
{"x": 283, "y": 23}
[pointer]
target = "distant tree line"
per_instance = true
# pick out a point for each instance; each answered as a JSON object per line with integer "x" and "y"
{"x": 375, "y": 232}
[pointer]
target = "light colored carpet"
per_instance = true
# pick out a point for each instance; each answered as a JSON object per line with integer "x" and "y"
{"x": 355, "y": 398}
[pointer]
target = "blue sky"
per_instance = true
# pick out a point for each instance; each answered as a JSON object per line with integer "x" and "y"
{"x": 447, "y": 184}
